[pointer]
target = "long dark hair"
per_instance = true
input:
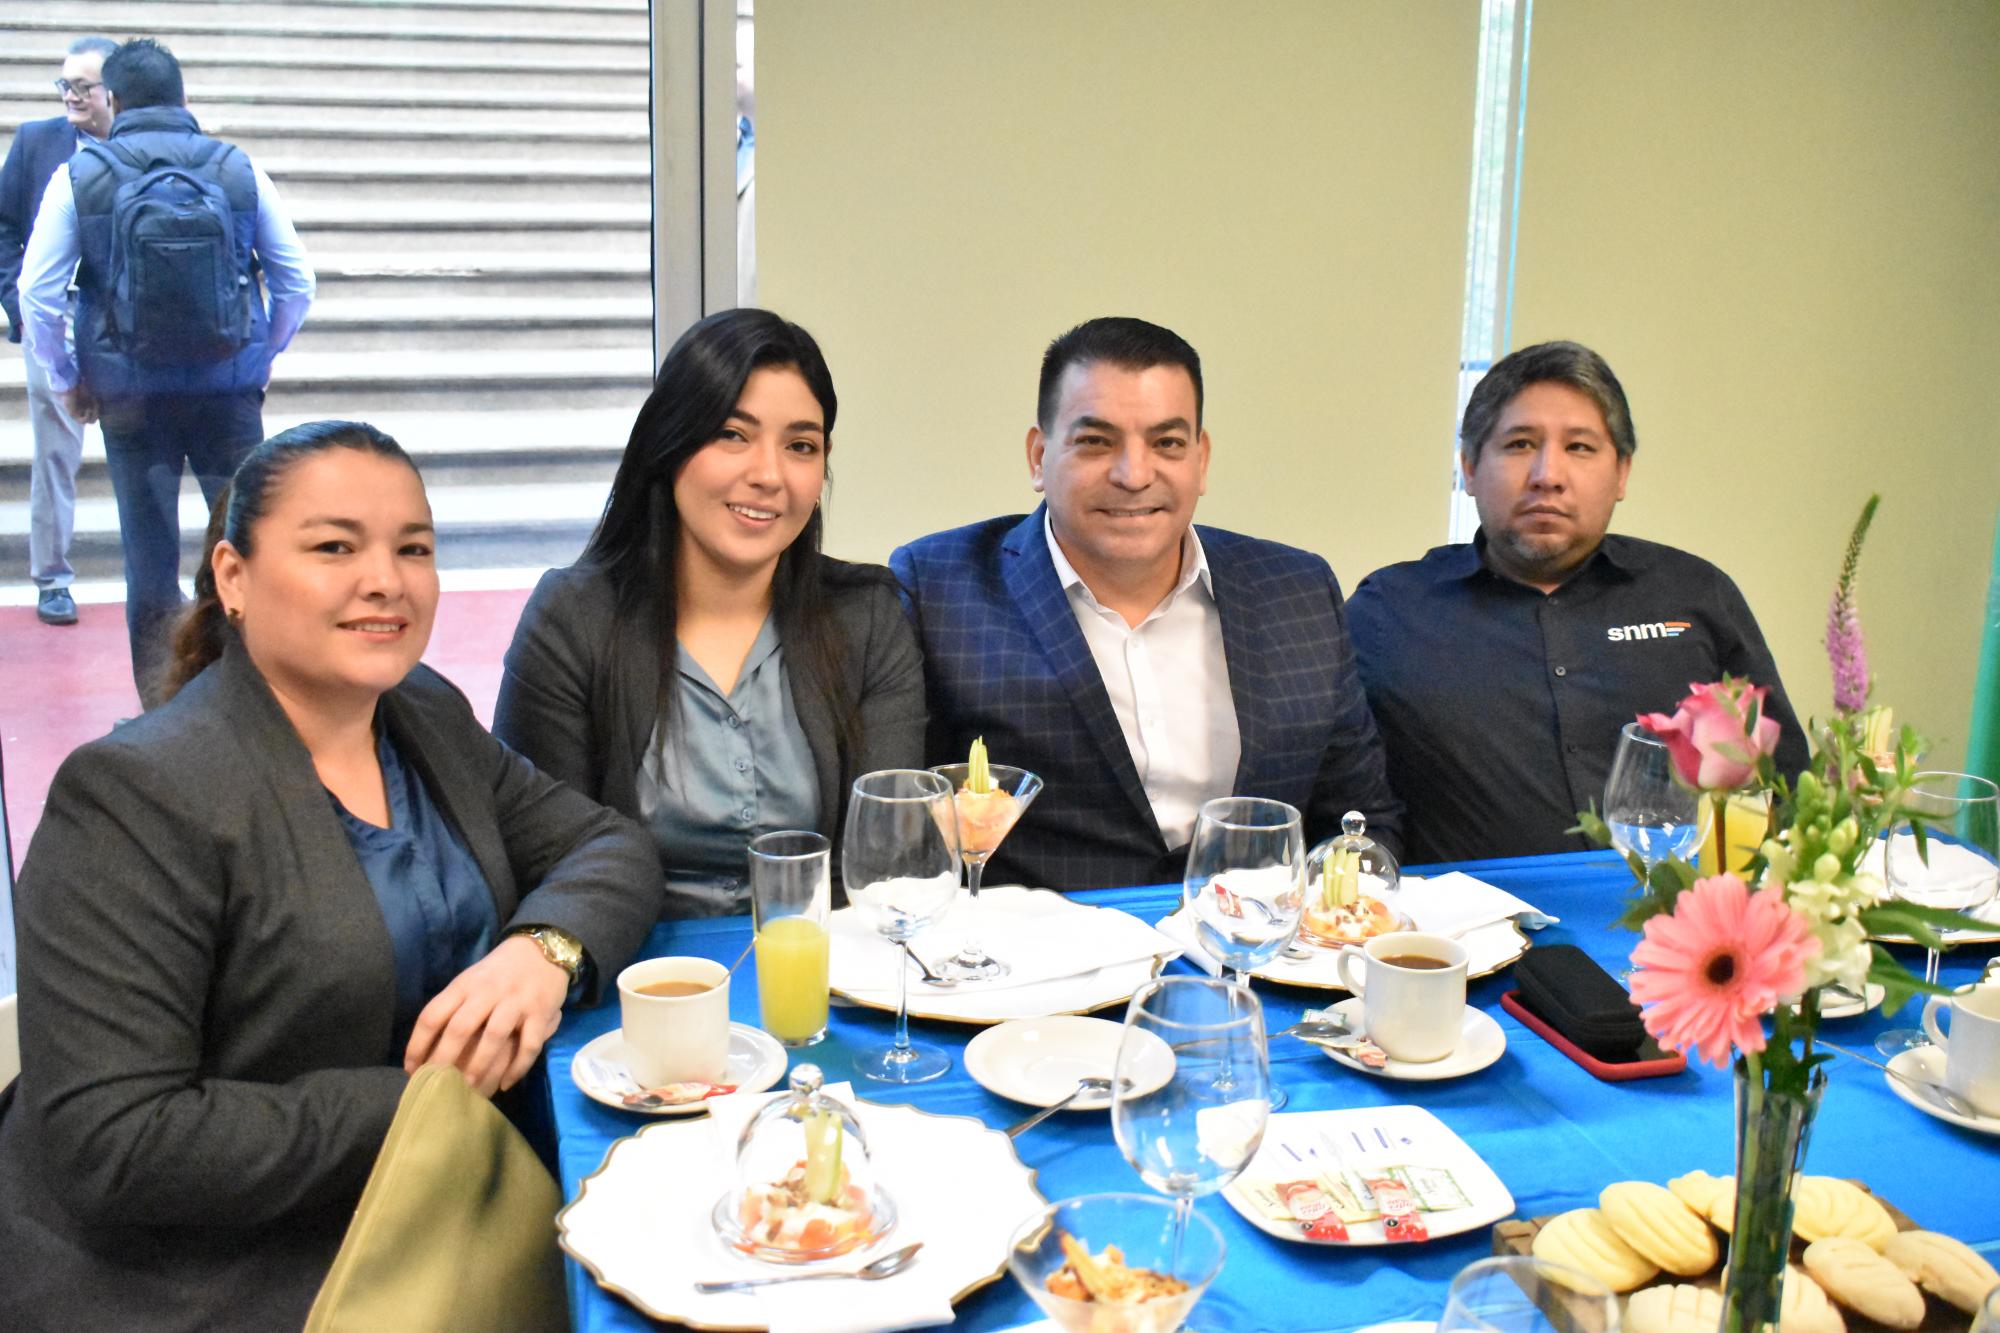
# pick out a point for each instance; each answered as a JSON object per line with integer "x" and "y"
{"x": 637, "y": 541}
{"x": 203, "y": 631}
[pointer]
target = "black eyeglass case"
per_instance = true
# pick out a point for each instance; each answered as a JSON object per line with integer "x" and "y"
{"x": 1579, "y": 1008}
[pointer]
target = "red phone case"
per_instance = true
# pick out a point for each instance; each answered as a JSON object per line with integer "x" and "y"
{"x": 1672, "y": 1063}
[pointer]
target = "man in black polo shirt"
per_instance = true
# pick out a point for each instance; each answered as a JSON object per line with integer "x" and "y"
{"x": 1501, "y": 670}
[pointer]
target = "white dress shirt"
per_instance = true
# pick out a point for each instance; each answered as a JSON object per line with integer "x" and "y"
{"x": 54, "y": 248}
{"x": 1169, "y": 685}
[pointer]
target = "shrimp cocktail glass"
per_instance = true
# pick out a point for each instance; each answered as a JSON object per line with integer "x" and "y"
{"x": 989, "y": 797}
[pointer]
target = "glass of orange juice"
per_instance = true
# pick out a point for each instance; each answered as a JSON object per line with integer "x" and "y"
{"x": 791, "y": 894}
{"x": 1745, "y": 825}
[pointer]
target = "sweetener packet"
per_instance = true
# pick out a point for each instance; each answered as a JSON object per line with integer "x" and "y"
{"x": 1432, "y": 1186}
{"x": 1310, "y": 1205}
{"x": 1273, "y": 1198}
{"x": 1400, "y": 1219}
{"x": 676, "y": 1094}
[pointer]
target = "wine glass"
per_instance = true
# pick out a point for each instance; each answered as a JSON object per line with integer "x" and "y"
{"x": 1958, "y": 870}
{"x": 899, "y": 859}
{"x": 1245, "y": 880}
{"x": 1245, "y": 884}
{"x": 1191, "y": 1128}
{"x": 1521, "y": 1294}
{"x": 1651, "y": 815}
{"x": 984, "y": 820}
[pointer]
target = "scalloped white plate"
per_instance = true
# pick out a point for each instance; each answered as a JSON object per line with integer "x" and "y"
{"x": 640, "y": 1223}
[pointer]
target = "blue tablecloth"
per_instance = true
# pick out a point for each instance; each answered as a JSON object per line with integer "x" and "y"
{"x": 1555, "y": 1135}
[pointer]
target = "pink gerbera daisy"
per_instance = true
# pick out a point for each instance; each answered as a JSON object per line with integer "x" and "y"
{"x": 1710, "y": 970}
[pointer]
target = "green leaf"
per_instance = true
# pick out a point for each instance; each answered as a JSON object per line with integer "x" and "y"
{"x": 1592, "y": 827}
{"x": 1639, "y": 911}
{"x": 1922, "y": 924}
{"x": 1898, "y": 983}
{"x": 1674, "y": 875}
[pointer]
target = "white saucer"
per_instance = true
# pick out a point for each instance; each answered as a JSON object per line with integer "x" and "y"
{"x": 1040, "y": 1060}
{"x": 756, "y": 1061}
{"x": 1843, "y": 1007}
{"x": 1480, "y": 1043}
{"x": 1927, "y": 1062}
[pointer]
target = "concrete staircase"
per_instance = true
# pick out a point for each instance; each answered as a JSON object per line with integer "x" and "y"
{"x": 471, "y": 179}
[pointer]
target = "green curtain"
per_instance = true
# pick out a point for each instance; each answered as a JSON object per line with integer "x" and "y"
{"x": 1982, "y": 750}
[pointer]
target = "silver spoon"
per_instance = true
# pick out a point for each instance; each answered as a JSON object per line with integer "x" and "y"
{"x": 1952, "y": 1100}
{"x": 931, "y": 978}
{"x": 887, "y": 1266}
{"x": 1083, "y": 1085}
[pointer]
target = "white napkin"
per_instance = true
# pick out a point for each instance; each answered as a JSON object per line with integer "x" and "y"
{"x": 913, "y": 1298}
{"x": 1950, "y": 874}
{"x": 1041, "y": 935}
{"x": 1453, "y": 903}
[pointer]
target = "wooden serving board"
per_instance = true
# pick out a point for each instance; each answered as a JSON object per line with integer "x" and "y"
{"x": 1517, "y": 1237}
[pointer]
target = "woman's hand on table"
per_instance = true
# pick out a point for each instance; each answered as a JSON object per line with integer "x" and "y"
{"x": 493, "y": 1018}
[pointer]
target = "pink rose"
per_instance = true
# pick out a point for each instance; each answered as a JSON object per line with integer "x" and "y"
{"x": 1708, "y": 737}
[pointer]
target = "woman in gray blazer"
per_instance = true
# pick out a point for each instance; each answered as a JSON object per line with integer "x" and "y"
{"x": 703, "y": 668}
{"x": 248, "y": 915}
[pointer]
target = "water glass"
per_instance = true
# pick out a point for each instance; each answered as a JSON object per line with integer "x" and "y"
{"x": 1245, "y": 882}
{"x": 1958, "y": 868}
{"x": 1652, "y": 816}
{"x": 899, "y": 859}
{"x": 1194, "y": 1130}
{"x": 791, "y": 895}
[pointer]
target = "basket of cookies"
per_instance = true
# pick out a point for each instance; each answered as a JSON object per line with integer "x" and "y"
{"x": 1859, "y": 1265}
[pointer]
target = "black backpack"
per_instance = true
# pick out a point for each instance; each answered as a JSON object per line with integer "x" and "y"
{"x": 176, "y": 295}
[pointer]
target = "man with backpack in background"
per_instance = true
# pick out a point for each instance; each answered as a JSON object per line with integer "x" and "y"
{"x": 168, "y": 233}
{"x": 39, "y": 147}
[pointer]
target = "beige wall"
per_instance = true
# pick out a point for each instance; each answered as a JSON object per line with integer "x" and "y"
{"x": 943, "y": 188}
{"x": 1777, "y": 221}
{"x": 1780, "y": 222}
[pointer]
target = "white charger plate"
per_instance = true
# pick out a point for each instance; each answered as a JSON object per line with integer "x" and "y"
{"x": 1927, "y": 1062}
{"x": 756, "y": 1061}
{"x": 1040, "y": 1060}
{"x": 985, "y": 1003}
{"x": 1481, "y": 1041}
{"x": 640, "y": 1223}
{"x": 1370, "y": 1137}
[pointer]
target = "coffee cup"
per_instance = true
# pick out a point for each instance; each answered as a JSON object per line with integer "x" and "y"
{"x": 1412, "y": 989}
{"x": 1971, "y": 1044}
{"x": 675, "y": 1016}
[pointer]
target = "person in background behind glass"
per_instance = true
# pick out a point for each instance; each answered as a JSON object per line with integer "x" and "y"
{"x": 39, "y": 148}
{"x": 703, "y": 667}
{"x": 249, "y": 915}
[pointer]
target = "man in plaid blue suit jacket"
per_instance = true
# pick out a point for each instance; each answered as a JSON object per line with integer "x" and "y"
{"x": 1015, "y": 646}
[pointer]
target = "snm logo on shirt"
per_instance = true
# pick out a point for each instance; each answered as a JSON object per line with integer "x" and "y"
{"x": 1659, "y": 629}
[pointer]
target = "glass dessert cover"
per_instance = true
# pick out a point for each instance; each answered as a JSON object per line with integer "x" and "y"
{"x": 1345, "y": 876}
{"x": 804, "y": 1188}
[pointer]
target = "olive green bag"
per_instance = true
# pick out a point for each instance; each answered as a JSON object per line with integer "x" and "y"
{"x": 456, "y": 1228}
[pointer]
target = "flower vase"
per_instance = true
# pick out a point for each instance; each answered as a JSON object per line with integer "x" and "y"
{"x": 1772, "y": 1125}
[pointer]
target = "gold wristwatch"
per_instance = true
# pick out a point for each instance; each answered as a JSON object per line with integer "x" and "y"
{"x": 557, "y": 945}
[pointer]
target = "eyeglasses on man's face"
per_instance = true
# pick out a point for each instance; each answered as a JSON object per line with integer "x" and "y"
{"x": 80, "y": 89}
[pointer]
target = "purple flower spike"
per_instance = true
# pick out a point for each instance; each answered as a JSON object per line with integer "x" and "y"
{"x": 1848, "y": 652}
{"x": 1845, "y": 648}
